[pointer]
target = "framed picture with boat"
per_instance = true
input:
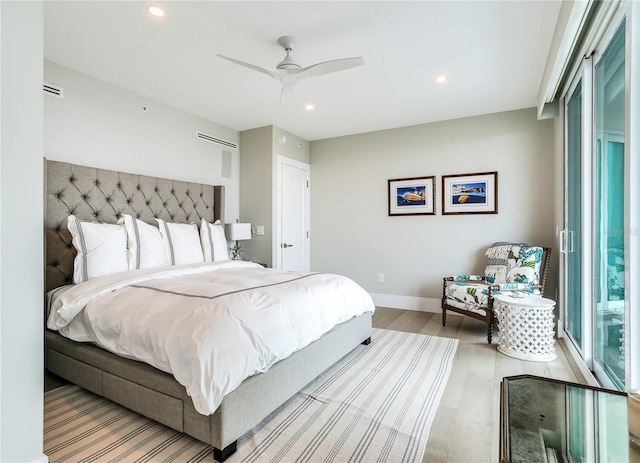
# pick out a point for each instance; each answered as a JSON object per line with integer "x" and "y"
{"x": 412, "y": 196}
{"x": 470, "y": 193}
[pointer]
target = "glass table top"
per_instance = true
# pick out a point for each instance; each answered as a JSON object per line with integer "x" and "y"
{"x": 544, "y": 420}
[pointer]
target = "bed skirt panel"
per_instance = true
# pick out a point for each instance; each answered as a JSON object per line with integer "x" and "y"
{"x": 159, "y": 396}
{"x": 260, "y": 394}
{"x": 153, "y": 404}
{"x": 64, "y": 366}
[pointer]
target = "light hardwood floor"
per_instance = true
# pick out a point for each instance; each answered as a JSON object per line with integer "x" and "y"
{"x": 467, "y": 424}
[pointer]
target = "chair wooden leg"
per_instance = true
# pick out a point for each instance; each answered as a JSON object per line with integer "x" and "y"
{"x": 490, "y": 319}
{"x": 444, "y": 316}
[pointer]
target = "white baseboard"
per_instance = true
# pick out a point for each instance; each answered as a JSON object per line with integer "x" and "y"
{"x": 420, "y": 304}
{"x": 42, "y": 459}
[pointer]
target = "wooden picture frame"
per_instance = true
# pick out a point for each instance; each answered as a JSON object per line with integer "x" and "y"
{"x": 412, "y": 196}
{"x": 470, "y": 193}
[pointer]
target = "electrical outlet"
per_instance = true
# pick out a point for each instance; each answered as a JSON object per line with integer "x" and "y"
{"x": 380, "y": 277}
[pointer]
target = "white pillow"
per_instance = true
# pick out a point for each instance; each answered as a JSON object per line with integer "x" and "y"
{"x": 214, "y": 243}
{"x": 146, "y": 246}
{"x": 102, "y": 249}
{"x": 181, "y": 243}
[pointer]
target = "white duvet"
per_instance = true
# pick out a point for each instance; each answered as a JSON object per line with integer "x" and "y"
{"x": 210, "y": 325}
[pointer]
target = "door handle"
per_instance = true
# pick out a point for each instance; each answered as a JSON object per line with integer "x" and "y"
{"x": 570, "y": 240}
{"x": 566, "y": 241}
{"x": 285, "y": 245}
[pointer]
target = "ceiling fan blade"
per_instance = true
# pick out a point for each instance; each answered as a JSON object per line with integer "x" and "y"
{"x": 286, "y": 95}
{"x": 327, "y": 67}
{"x": 276, "y": 74}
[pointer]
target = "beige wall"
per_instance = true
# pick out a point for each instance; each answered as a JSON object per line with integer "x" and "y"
{"x": 558, "y": 205}
{"x": 21, "y": 232}
{"x": 353, "y": 235}
{"x": 295, "y": 147}
{"x": 260, "y": 148}
{"x": 101, "y": 125}
{"x": 256, "y": 167}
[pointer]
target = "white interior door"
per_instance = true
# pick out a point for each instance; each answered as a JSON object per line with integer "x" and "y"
{"x": 292, "y": 217}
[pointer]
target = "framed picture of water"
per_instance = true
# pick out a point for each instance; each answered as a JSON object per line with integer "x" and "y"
{"x": 470, "y": 193}
{"x": 412, "y": 196}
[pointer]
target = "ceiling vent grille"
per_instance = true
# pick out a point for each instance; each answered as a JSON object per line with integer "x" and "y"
{"x": 217, "y": 141}
{"x": 52, "y": 90}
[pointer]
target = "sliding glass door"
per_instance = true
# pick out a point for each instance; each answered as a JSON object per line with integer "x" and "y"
{"x": 572, "y": 238}
{"x": 594, "y": 236}
{"x": 609, "y": 203}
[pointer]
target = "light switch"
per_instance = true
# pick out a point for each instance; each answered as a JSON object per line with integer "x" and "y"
{"x": 260, "y": 230}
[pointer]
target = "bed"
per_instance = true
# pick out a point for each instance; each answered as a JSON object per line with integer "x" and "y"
{"x": 98, "y": 195}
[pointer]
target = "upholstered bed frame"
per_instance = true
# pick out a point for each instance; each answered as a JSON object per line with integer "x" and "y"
{"x": 104, "y": 195}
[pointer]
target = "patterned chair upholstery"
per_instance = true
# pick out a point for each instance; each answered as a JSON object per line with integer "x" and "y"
{"x": 512, "y": 269}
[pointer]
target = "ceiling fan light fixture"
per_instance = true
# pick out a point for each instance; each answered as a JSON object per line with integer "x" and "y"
{"x": 288, "y": 62}
{"x": 442, "y": 78}
{"x": 309, "y": 107}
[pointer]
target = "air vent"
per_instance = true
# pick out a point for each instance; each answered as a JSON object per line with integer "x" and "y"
{"x": 217, "y": 141}
{"x": 52, "y": 90}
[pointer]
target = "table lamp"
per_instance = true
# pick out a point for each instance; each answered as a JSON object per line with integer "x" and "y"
{"x": 237, "y": 232}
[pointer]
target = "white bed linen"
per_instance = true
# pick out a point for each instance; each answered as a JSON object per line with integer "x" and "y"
{"x": 211, "y": 325}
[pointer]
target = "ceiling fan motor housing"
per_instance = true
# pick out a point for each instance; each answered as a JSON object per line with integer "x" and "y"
{"x": 288, "y": 42}
{"x": 288, "y": 63}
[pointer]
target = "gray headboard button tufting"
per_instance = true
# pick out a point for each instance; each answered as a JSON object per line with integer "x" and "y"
{"x": 104, "y": 196}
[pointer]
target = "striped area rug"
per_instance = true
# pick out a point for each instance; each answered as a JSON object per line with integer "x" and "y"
{"x": 376, "y": 404}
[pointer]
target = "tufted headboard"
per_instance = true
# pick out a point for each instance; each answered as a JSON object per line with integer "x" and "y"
{"x": 104, "y": 195}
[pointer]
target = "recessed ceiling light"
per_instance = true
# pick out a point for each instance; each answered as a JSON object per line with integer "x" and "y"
{"x": 309, "y": 107}
{"x": 442, "y": 78}
{"x": 155, "y": 10}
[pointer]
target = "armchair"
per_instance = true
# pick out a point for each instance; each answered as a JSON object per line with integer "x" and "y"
{"x": 512, "y": 269}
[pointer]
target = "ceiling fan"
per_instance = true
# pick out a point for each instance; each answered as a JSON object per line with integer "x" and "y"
{"x": 288, "y": 72}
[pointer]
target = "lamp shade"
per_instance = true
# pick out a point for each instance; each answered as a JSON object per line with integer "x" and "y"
{"x": 237, "y": 231}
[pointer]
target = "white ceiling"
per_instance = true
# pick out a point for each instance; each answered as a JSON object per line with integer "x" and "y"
{"x": 493, "y": 52}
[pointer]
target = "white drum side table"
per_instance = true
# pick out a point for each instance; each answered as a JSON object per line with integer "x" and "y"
{"x": 525, "y": 327}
